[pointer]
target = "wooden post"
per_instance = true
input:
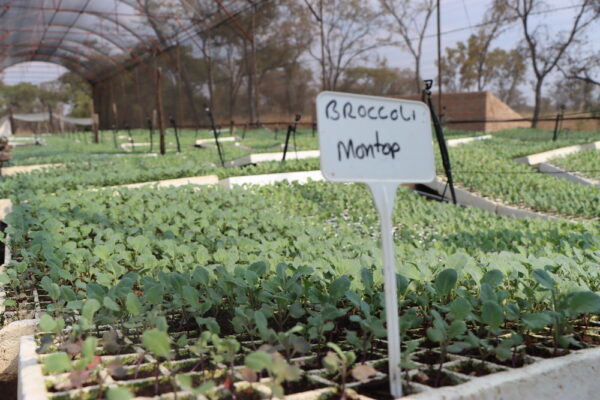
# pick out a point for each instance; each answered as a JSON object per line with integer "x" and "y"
{"x": 94, "y": 123}
{"x": 232, "y": 128}
{"x": 50, "y": 119}
{"x": 11, "y": 119}
{"x": 159, "y": 109}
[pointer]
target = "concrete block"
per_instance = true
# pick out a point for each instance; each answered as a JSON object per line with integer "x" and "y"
{"x": 31, "y": 379}
{"x": 459, "y": 141}
{"x": 574, "y": 376}
{"x": 266, "y": 157}
{"x": 127, "y": 147}
{"x": 5, "y": 208}
{"x": 10, "y": 337}
{"x": 268, "y": 179}
{"x": 21, "y": 169}
{"x": 535, "y": 159}
{"x": 561, "y": 173}
{"x": 211, "y": 142}
{"x": 196, "y": 180}
{"x": 508, "y": 211}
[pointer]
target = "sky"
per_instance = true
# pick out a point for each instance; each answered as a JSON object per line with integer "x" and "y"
{"x": 457, "y": 21}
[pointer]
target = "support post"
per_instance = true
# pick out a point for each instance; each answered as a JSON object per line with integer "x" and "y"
{"x": 128, "y": 128}
{"x": 291, "y": 130}
{"x": 439, "y": 54}
{"x": 174, "y": 126}
{"x": 150, "y": 132}
{"x": 94, "y": 123}
{"x": 159, "y": 108}
{"x": 215, "y": 134}
{"x": 50, "y": 119}
{"x": 440, "y": 138}
{"x": 11, "y": 119}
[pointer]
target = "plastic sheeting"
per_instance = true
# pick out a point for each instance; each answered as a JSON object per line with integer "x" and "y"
{"x": 77, "y": 121}
{"x": 41, "y": 117}
{"x": 38, "y": 117}
{"x": 5, "y": 127}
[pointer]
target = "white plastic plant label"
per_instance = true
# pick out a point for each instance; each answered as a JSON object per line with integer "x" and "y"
{"x": 381, "y": 142}
{"x": 374, "y": 139}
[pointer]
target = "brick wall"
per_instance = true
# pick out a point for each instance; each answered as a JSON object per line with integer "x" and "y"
{"x": 473, "y": 106}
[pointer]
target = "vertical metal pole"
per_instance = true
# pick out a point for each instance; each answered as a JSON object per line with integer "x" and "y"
{"x": 93, "y": 115}
{"x": 440, "y": 138}
{"x": 50, "y": 119}
{"x": 151, "y": 132}
{"x": 174, "y": 125}
{"x": 555, "y": 135}
{"x": 130, "y": 138}
{"x": 11, "y": 119}
{"x": 439, "y": 54}
{"x": 114, "y": 130}
{"x": 287, "y": 141}
{"x": 215, "y": 134}
{"x": 159, "y": 108}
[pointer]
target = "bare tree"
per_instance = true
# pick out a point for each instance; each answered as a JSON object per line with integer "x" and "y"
{"x": 346, "y": 28}
{"x": 586, "y": 69}
{"x": 546, "y": 49}
{"x": 494, "y": 22}
{"x": 411, "y": 18}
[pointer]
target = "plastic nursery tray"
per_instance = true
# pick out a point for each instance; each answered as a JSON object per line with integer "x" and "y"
{"x": 137, "y": 372}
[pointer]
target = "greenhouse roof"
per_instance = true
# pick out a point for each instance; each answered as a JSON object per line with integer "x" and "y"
{"x": 95, "y": 38}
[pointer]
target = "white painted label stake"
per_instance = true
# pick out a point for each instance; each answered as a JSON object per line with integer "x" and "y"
{"x": 381, "y": 142}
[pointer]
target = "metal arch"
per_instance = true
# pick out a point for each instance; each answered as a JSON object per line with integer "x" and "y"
{"x": 104, "y": 17}
{"x": 68, "y": 48}
{"x": 55, "y": 59}
{"x": 86, "y": 30}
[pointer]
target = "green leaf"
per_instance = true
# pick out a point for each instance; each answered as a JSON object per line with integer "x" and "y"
{"x": 47, "y": 323}
{"x": 258, "y": 360}
{"x": 583, "y": 302}
{"x": 456, "y": 328}
{"x": 4, "y": 279}
{"x": 111, "y": 304}
{"x": 435, "y": 335}
{"x": 493, "y": 277}
{"x": 445, "y": 281}
{"x": 118, "y": 394}
{"x": 536, "y": 321}
{"x": 492, "y": 314}
{"x": 543, "y": 278}
{"x": 88, "y": 349}
{"x": 157, "y": 342}
{"x": 339, "y": 286}
{"x": 133, "y": 305}
{"x": 460, "y": 308}
{"x": 56, "y": 363}
{"x": 89, "y": 309}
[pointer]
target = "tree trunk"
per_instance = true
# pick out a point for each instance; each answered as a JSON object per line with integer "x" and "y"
{"x": 322, "y": 31}
{"x": 93, "y": 115}
{"x": 538, "y": 102}
{"x": 254, "y": 83}
{"x": 418, "y": 74}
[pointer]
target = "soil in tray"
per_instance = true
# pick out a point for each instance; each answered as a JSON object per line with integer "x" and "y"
{"x": 150, "y": 390}
{"x": 545, "y": 353}
{"x": 303, "y": 385}
{"x": 380, "y": 389}
{"x": 242, "y": 394}
{"x": 518, "y": 362}
{"x": 133, "y": 374}
{"x": 593, "y": 340}
{"x": 472, "y": 368}
{"x": 429, "y": 377}
{"x": 429, "y": 357}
